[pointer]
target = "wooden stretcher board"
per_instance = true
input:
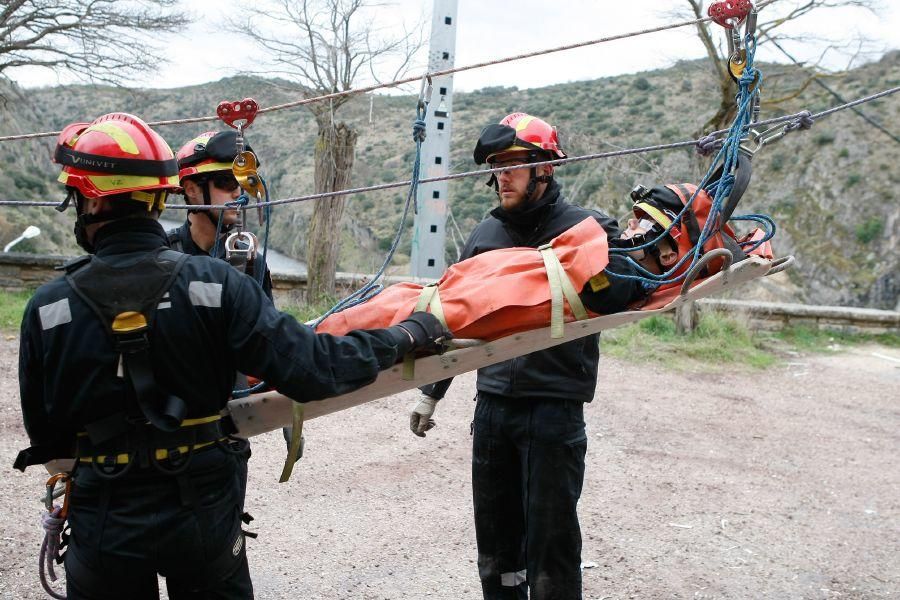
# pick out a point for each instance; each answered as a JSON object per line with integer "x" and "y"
{"x": 267, "y": 411}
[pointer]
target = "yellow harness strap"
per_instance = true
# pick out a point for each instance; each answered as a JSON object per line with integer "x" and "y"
{"x": 159, "y": 453}
{"x": 560, "y": 287}
{"x": 296, "y": 432}
{"x": 429, "y": 298}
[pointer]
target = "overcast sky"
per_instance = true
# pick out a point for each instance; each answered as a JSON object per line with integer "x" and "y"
{"x": 489, "y": 29}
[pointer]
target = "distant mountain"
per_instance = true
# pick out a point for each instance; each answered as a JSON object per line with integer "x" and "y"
{"x": 833, "y": 190}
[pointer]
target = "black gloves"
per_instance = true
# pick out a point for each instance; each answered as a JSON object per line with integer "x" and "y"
{"x": 422, "y": 331}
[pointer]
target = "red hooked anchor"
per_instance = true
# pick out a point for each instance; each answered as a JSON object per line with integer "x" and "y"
{"x": 230, "y": 112}
{"x": 729, "y": 13}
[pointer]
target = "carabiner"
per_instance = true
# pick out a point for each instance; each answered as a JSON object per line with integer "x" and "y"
{"x": 425, "y": 92}
{"x": 233, "y": 249}
{"x": 51, "y": 492}
{"x": 762, "y": 138}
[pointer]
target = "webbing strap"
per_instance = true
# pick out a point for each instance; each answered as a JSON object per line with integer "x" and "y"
{"x": 560, "y": 287}
{"x": 296, "y": 432}
{"x": 429, "y": 298}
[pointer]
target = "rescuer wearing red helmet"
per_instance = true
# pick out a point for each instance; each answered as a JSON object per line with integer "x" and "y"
{"x": 529, "y": 438}
{"x": 206, "y": 178}
{"x": 127, "y": 361}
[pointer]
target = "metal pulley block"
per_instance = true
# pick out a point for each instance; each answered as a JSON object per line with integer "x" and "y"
{"x": 239, "y": 115}
{"x": 244, "y": 170}
{"x": 736, "y": 64}
{"x": 729, "y": 13}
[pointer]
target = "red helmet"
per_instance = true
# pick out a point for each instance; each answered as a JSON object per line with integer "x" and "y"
{"x": 516, "y": 133}
{"x": 117, "y": 154}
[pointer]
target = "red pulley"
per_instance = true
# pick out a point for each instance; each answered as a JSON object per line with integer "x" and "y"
{"x": 728, "y": 13}
{"x": 244, "y": 110}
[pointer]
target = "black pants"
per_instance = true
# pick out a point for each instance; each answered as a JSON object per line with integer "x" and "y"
{"x": 527, "y": 475}
{"x": 185, "y": 527}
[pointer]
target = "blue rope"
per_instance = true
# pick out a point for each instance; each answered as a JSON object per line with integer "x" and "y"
{"x": 267, "y": 211}
{"x": 748, "y": 86}
{"x": 260, "y": 276}
{"x": 373, "y": 288}
{"x": 768, "y": 224}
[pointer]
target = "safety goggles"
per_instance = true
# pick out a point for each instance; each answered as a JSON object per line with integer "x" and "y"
{"x": 223, "y": 180}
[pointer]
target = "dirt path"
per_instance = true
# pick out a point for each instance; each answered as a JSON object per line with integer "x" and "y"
{"x": 783, "y": 484}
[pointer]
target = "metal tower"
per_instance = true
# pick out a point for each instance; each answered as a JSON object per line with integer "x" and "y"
{"x": 430, "y": 234}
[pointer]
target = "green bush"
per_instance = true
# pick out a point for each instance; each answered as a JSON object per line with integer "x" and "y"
{"x": 852, "y": 180}
{"x": 642, "y": 84}
{"x": 869, "y": 230}
{"x": 823, "y": 139}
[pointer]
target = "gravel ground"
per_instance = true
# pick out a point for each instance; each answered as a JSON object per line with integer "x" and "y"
{"x": 781, "y": 484}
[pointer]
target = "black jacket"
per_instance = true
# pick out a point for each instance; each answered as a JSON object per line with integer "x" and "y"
{"x": 567, "y": 371}
{"x": 180, "y": 239}
{"x": 213, "y": 322}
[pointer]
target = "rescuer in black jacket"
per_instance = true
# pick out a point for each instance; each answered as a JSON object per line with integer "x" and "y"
{"x": 206, "y": 178}
{"x": 127, "y": 361}
{"x": 529, "y": 437}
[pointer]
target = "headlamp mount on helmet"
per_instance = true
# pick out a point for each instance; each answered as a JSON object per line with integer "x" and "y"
{"x": 220, "y": 148}
{"x": 498, "y": 138}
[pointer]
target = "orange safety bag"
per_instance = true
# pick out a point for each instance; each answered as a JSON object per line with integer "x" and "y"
{"x": 492, "y": 295}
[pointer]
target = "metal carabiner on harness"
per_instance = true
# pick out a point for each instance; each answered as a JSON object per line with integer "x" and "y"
{"x": 52, "y": 493}
{"x": 234, "y": 250}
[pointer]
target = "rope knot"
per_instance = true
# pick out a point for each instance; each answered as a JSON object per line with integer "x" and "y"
{"x": 419, "y": 130}
{"x": 708, "y": 144}
{"x": 748, "y": 77}
{"x": 804, "y": 120}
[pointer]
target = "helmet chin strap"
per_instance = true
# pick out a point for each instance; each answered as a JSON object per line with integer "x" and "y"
{"x": 207, "y": 201}
{"x": 533, "y": 182}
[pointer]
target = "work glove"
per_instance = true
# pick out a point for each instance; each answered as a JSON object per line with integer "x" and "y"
{"x": 424, "y": 331}
{"x": 420, "y": 419}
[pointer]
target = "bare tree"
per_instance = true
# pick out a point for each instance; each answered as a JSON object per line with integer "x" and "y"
{"x": 101, "y": 40}
{"x": 327, "y": 46}
{"x": 791, "y": 83}
{"x": 770, "y": 30}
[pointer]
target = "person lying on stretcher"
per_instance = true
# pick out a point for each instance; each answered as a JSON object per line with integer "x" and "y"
{"x": 501, "y": 292}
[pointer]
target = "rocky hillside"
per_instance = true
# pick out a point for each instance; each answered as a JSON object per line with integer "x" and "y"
{"x": 832, "y": 190}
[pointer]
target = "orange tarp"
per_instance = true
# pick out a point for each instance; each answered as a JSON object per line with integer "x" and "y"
{"x": 491, "y": 295}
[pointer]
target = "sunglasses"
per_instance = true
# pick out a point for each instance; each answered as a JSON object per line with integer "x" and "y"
{"x": 224, "y": 181}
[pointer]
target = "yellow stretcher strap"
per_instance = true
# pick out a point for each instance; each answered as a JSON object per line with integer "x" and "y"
{"x": 296, "y": 433}
{"x": 429, "y": 299}
{"x": 560, "y": 287}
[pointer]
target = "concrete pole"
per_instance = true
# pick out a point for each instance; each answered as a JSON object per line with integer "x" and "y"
{"x": 430, "y": 232}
